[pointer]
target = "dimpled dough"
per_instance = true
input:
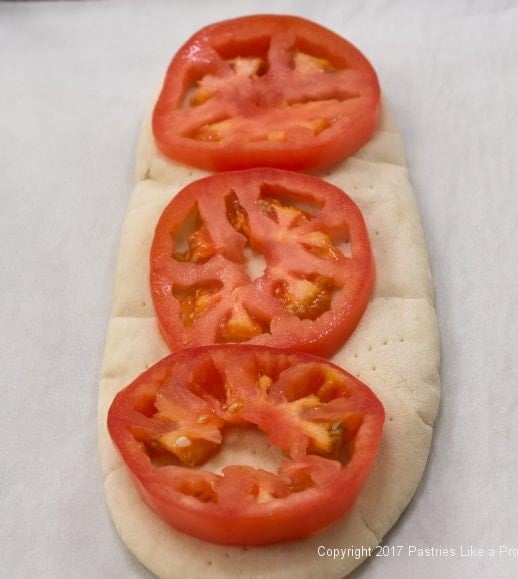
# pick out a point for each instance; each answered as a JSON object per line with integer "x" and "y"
{"x": 395, "y": 350}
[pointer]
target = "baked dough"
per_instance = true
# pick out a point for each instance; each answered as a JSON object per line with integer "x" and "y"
{"x": 395, "y": 350}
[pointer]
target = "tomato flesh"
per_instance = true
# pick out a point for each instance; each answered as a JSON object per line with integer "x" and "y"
{"x": 317, "y": 276}
{"x": 266, "y": 90}
{"x": 171, "y": 419}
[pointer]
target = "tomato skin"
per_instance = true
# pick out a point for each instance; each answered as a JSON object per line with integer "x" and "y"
{"x": 300, "y": 256}
{"x": 222, "y": 509}
{"x": 259, "y": 103}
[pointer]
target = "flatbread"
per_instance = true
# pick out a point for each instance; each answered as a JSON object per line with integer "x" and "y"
{"x": 395, "y": 350}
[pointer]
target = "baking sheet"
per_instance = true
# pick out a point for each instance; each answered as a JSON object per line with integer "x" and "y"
{"x": 74, "y": 81}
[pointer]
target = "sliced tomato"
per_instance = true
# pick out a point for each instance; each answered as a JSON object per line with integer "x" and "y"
{"x": 308, "y": 240}
{"x": 172, "y": 418}
{"x": 266, "y": 90}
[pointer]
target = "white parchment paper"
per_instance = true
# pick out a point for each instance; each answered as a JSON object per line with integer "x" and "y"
{"x": 75, "y": 78}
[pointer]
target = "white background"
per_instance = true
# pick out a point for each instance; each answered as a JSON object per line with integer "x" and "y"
{"x": 75, "y": 78}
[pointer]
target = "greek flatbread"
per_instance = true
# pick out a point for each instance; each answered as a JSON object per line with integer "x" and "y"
{"x": 394, "y": 350}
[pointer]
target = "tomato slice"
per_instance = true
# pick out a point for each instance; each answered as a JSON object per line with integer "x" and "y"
{"x": 172, "y": 418}
{"x": 262, "y": 256}
{"x": 266, "y": 90}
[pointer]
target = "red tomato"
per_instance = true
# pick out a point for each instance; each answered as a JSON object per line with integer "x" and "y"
{"x": 171, "y": 419}
{"x": 318, "y": 268}
{"x": 266, "y": 90}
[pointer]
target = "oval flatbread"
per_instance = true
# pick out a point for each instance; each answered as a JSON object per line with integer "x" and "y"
{"x": 394, "y": 350}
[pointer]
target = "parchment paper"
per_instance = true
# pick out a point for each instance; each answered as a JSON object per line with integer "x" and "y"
{"x": 74, "y": 82}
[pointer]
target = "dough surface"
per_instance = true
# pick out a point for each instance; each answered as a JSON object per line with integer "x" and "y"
{"x": 394, "y": 350}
